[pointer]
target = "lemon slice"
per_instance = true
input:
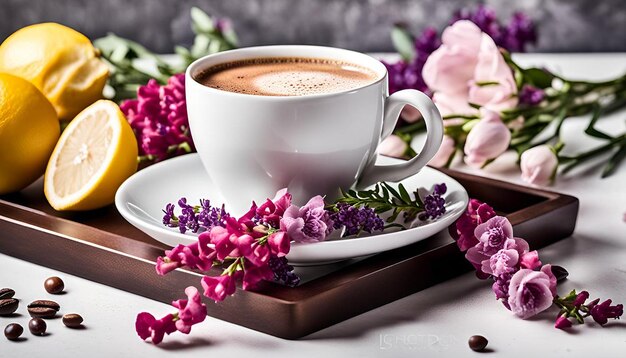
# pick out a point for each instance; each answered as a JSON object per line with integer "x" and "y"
{"x": 95, "y": 154}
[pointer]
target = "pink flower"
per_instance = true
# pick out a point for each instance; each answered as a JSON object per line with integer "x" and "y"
{"x": 190, "y": 311}
{"x": 501, "y": 263}
{"x": 530, "y": 292}
{"x": 254, "y": 274}
{"x": 147, "y": 326}
{"x": 493, "y": 86}
{"x": 272, "y": 210}
{"x": 309, "y": 223}
{"x": 279, "y": 244}
{"x": 444, "y": 153}
{"x": 217, "y": 288}
{"x": 224, "y": 245}
{"x": 469, "y": 68}
{"x": 530, "y": 260}
{"x": 450, "y": 68}
{"x": 185, "y": 255}
{"x": 463, "y": 230}
{"x": 487, "y": 140}
{"x": 538, "y": 165}
{"x": 393, "y": 146}
{"x": 410, "y": 114}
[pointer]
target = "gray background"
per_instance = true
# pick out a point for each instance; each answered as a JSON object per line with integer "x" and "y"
{"x": 564, "y": 25}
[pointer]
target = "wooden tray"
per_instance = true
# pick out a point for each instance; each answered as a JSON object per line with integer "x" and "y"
{"x": 101, "y": 246}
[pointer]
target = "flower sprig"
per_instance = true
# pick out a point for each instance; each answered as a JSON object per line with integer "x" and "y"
{"x": 520, "y": 281}
{"x": 385, "y": 198}
{"x": 253, "y": 247}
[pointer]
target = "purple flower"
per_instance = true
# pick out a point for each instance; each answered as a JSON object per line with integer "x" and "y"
{"x": 530, "y": 292}
{"x": 408, "y": 75}
{"x": 356, "y": 220}
{"x": 434, "y": 203}
{"x": 530, "y": 95}
{"x": 514, "y": 36}
{"x": 283, "y": 272}
{"x": 159, "y": 119}
{"x": 310, "y": 223}
{"x": 519, "y": 33}
{"x": 603, "y": 311}
{"x": 194, "y": 218}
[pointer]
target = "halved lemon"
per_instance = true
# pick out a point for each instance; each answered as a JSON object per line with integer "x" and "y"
{"x": 95, "y": 154}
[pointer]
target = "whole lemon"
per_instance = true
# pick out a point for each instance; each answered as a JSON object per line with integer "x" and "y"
{"x": 61, "y": 62}
{"x": 29, "y": 130}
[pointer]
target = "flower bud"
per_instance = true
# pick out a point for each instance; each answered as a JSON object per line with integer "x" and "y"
{"x": 538, "y": 165}
{"x": 393, "y": 146}
{"x": 488, "y": 139}
{"x": 562, "y": 322}
{"x": 445, "y": 151}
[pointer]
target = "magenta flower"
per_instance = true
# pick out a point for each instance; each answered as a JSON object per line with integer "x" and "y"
{"x": 254, "y": 274}
{"x": 190, "y": 311}
{"x": 272, "y": 210}
{"x": 530, "y": 260}
{"x": 217, "y": 288}
{"x": 603, "y": 311}
{"x": 530, "y": 292}
{"x": 463, "y": 230}
{"x": 581, "y": 298}
{"x": 309, "y": 223}
{"x": 149, "y": 327}
{"x": 562, "y": 323}
{"x": 279, "y": 244}
{"x": 159, "y": 119}
{"x": 184, "y": 255}
{"x": 492, "y": 237}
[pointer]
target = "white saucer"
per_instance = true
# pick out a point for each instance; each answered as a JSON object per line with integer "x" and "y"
{"x": 142, "y": 197}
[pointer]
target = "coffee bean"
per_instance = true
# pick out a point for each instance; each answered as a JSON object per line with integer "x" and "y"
{"x": 54, "y": 285}
{"x": 477, "y": 343}
{"x": 6, "y": 293}
{"x": 13, "y": 331}
{"x": 8, "y": 306}
{"x": 43, "y": 308}
{"x": 72, "y": 320}
{"x": 37, "y": 326}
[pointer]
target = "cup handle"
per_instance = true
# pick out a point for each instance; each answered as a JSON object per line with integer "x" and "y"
{"x": 434, "y": 126}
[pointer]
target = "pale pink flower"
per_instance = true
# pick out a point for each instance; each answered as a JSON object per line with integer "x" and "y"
{"x": 393, "y": 146}
{"x": 469, "y": 68}
{"x": 531, "y": 292}
{"x": 443, "y": 154}
{"x": 487, "y": 140}
{"x": 538, "y": 165}
{"x": 451, "y": 67}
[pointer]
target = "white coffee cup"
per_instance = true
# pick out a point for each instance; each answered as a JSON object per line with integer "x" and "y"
{"x": 252, "y": 145}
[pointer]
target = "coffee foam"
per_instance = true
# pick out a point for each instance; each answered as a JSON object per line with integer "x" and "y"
{"x": 286, "y": 76}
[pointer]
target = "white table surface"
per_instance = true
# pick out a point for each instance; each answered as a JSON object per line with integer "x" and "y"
{"x": 435, "y": 322}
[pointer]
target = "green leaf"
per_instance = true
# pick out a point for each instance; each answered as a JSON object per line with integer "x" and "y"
{"x": 615, "y": 161}
{"x": 404, "y": 195}
{"x": 538, "y": 77}
{"x": 200, "y": 21}
{"x": 403, "y": 42}
{"x": 591, "y": 130}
